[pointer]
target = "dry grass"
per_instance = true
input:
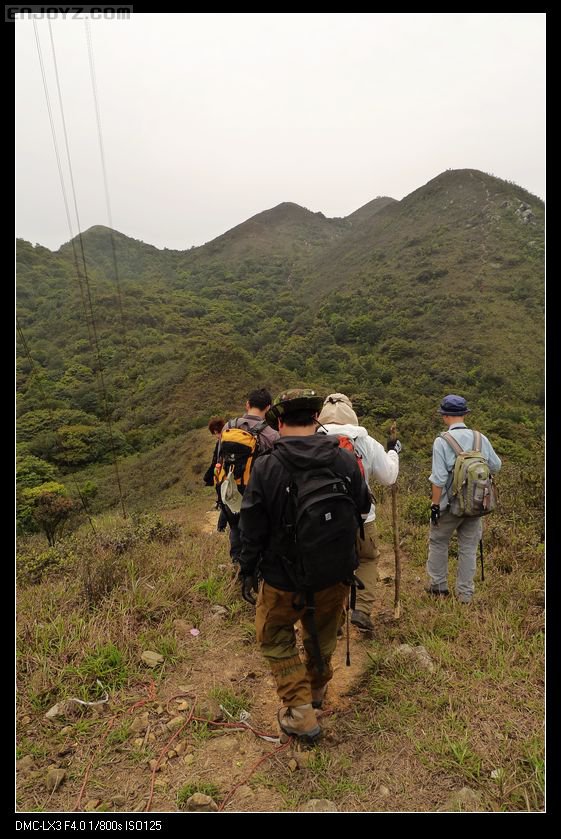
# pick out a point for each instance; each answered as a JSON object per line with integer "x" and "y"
{"x": 402, "y": 740}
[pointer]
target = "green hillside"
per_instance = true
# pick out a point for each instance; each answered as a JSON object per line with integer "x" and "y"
{"x": 398, "y": 304}
{"x": 440, "y": 292}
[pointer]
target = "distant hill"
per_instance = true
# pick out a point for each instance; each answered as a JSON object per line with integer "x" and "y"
{"x": 466, "y": 207}
{"x": 369, "y": 210}
{"x": 286, "y": 229}
{"x": 397, "y": 304}
{"x": 134, "y": 257}
{"x": 442, "y": 290}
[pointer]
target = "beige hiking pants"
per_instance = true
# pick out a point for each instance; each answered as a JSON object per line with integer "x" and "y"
{"x": 274, "y": 623}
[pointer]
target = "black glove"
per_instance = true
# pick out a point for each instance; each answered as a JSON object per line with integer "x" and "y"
{"x": 394, "y": 445}
{"x": 249, "y": 583}
{"x": 434, "y": 514}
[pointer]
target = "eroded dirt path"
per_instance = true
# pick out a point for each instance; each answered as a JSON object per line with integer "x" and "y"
{"x": 112, "y": 773}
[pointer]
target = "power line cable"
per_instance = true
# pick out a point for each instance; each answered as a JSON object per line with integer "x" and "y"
{"x": 124, "y": 332}
{"x": 87, "y": 283}
{"x": 61, "y": 179}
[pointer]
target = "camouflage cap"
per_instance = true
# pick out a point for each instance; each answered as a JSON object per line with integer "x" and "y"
{"x": 289, "y": 401}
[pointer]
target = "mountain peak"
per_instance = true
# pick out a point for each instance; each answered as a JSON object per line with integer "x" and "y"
{"x": 285, "y": 228}
{"x": 371, "y": 208}
{"x": 474, "y": 180}
{"x": 286, "y": 211}
{"x": 100, "y": 234}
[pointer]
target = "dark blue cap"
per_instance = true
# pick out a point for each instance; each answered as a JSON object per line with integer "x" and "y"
{"x": 453, "y": 406}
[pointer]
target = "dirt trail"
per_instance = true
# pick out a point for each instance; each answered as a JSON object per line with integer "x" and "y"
{"x": 345, "y": 676}
{"x": 223, "y": 656}
{"x": 208, "y": 525}
{"x": 229, "y": 758}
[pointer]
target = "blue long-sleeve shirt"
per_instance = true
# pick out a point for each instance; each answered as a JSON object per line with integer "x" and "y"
{"x": 444, "y": 457}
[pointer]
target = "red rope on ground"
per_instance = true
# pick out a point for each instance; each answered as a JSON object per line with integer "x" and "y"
{"x": 87, "y": 772}
{"x": 252, "y": 770}
{"x": 151, "y": 688}
{"x": 235, "y": 725}
{"x": 157, "y": 764}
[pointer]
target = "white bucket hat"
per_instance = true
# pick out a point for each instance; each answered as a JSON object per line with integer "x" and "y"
{"x": 338, "y": 408}
{"x": 229, "y": 493}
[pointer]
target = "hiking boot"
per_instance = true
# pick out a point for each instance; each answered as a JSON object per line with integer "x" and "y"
{"x": 318, "y": 695}
{"x": 464, "y": 599}
{"x": 437, "y": 592}
{"x": 361, "y": 620}
{"x": 299, "y": 721}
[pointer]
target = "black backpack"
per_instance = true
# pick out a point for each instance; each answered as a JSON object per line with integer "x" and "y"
{"x": 319, "y": 526}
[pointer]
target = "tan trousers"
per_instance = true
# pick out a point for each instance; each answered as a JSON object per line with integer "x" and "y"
{"x": 274, "y": 622}
{"x": 367, "y": 571}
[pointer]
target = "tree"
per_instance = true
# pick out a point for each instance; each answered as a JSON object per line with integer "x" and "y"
{"x": 49, "y": 508}
{"x": 32, "y": 471}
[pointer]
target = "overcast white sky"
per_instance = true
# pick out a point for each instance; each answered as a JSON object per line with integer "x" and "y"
{"x": 210, "y": 118}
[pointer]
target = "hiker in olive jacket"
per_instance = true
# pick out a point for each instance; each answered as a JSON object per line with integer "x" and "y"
{"x": 443, "y": 523}
{"x": 264, "y": 539}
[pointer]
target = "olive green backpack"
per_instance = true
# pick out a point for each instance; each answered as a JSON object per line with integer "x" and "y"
{"x": 473, "y": 492}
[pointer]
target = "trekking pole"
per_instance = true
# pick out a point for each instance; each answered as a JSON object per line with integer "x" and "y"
{"x": 396, "y": 601}
{"x": 348, "y": 658}
{"x": 481, "y": 555}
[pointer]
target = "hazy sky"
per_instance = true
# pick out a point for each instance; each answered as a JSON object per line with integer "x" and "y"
{"x": 208, "y": 119}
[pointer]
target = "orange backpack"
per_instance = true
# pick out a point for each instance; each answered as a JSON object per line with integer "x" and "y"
{"x": 347, "y": 443}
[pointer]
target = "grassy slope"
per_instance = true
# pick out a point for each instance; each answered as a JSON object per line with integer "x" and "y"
{"x": 476, "y": 721}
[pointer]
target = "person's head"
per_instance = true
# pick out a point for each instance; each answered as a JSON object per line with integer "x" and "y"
{"x": 215, "y": 425}
{"x": 295, "y": 411}
{"x": 338, "y": 408}
{"x": 258, "y": 401}
{"x": 453, "y": 409}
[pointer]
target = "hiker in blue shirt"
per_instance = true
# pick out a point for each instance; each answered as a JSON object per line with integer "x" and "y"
{"x": 453, "y": 410}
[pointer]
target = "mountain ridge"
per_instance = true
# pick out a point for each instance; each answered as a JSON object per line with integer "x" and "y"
{"x": 439, "y": 292}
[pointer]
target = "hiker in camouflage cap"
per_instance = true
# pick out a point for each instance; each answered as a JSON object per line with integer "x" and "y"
{"x": 268, "y": 548}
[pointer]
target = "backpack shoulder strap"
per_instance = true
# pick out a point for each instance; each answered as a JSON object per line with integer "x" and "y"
{"x": 258, "y": 427}
{"x": 232, "y": 423}
{"x": 282, "y": 460}
{"x": 476, "y": 441}
{"x": 452, "y": 442}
